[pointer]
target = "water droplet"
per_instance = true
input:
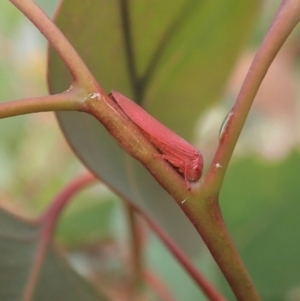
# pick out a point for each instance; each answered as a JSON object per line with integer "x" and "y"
{"x": 224, "y": 123}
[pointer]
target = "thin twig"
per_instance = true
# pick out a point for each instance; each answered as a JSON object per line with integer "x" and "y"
{"x": 135, "y": 248}
{"x": 284, "y": 22}
{"x": 206, "y": 287}
{"x": 204, "y": 210}
{"x": 49, "y": 220}
{"x": 80, "y": 73}
{"x": 158, "y": 286}
{"x": 67, "y": 101}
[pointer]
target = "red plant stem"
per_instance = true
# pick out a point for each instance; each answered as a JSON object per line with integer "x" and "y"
{"x": 157, "y": 286}
{"x": 57, "y": 205}
{"x": 286, "y": 19}
{"x": 210, "y": 291}
{"x": 206, "y": 287}
{"x": 135, "y": 249}
{"x": 49, "y": 221}
{"x": 203, "y": 208}
{"x": 207, "y": 218}
{"x": 67, "y": 101}
{"x": 96, "y": 103}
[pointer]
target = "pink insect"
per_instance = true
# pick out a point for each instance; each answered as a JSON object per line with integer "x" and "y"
{"x": 177, "y": 151}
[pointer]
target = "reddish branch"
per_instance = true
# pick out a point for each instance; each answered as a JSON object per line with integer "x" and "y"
{"x": 48, "y": 221}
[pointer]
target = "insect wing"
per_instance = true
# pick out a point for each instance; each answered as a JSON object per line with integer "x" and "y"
{"x": 175, "y": 149}
{"x": 161, "y": 136}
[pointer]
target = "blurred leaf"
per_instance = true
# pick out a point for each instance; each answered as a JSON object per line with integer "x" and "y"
{"x": 19, "y": 245}
{"x": 182, "y": 51}
{"x": 173, "y": 274}
{"x": 92, "y": 222}
{"x": 10, "y": 18}
{"x": 260, "y": 202}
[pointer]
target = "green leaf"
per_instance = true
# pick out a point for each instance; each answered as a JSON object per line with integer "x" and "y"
{"x": 171, "y": 56}
{"x": 180, "y": 52}
{"x": 19, "y": 245}
{"x": 89, "y": 223}
{"x": 260, "y": 202}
